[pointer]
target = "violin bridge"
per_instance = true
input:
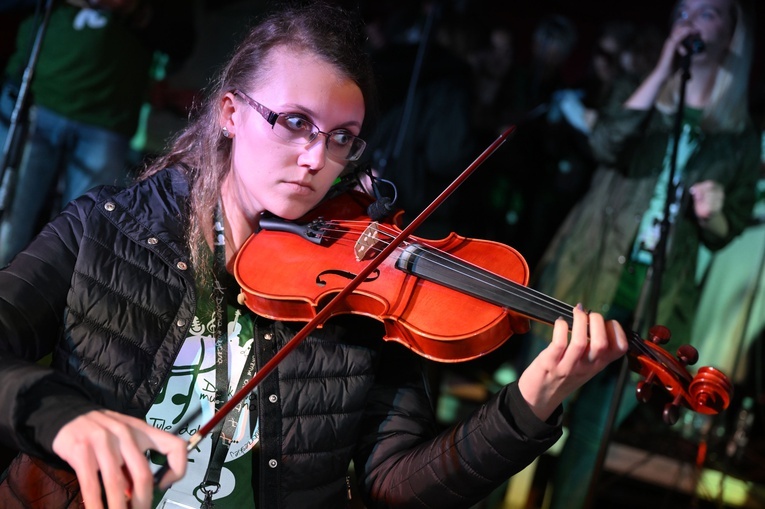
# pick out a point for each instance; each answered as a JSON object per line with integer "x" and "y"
{"x": 368, "y": 240}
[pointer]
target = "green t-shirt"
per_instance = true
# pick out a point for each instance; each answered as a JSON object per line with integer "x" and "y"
{"x": 191, "y": 385}
{"x": 649, "y": 232}
{"x": 92, "y": 67}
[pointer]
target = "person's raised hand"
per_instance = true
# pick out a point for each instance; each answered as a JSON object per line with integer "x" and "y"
{"x": 708, "y": 198}
{"x": 666, "y": 63}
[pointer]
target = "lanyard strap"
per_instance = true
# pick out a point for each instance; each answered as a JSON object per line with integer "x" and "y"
{"x": 223, "y": 433}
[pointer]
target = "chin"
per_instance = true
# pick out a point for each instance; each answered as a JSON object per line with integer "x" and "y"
{"x": 291, "y": 211}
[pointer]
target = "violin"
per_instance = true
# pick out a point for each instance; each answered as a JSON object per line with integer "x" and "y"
{"x": 449, "y": 300}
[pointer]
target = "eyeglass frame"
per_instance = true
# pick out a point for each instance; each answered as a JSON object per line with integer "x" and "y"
{"x": 271, "y": 117}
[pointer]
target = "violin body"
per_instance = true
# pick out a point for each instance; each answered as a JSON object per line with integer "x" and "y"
{"x": 435, "y": 321}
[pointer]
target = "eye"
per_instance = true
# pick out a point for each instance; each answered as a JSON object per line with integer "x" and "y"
{"x": 710, "y": 14}
{"x": 681, "y": 14}
{"x": 296, "y": 123}
{"x": 342, "y": 137}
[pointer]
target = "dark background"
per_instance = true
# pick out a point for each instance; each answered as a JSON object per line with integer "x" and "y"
{"x": 588, "y": 15}
{"x": 520, "y": 16}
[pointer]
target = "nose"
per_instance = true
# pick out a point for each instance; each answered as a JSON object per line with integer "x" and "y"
{"x": 314, "y": 155}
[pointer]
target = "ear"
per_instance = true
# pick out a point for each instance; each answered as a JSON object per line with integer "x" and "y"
{"x": 228, "y": 113}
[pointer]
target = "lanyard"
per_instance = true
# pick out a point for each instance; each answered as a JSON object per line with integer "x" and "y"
{"x": 223, "y": 433}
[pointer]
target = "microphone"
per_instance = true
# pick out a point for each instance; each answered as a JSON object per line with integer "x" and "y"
{"x": 380, "y": 208}
{"x": 383, "y": 205}
{"x": 693, "y": 44}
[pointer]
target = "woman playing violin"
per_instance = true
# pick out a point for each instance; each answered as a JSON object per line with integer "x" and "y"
{"x": 128, "y": 289}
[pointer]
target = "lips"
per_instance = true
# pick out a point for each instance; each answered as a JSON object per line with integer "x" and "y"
{"x": 300, "y": 186}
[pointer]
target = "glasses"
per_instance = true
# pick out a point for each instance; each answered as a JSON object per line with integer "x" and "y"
{"x": 295, "y": 128}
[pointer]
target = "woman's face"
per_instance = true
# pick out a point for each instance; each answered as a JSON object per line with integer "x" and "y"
{"x": 711, "y": 20}
{"x": 270, "y": 174}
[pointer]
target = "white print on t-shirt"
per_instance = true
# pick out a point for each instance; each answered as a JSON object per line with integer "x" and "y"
{"x": 89, "y": 18}
{"x": 191, "y": 385}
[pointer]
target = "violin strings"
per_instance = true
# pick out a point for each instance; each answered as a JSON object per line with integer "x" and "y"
{"x": 512, "y": 288}
{"x": 508, "y": 286}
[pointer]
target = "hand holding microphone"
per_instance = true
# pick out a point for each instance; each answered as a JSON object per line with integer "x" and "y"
{"x": 693, "y": 44}
{"x": 690, "y": 45}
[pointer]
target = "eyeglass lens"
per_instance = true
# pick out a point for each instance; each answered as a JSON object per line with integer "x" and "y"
{"x": 294, "y": 128}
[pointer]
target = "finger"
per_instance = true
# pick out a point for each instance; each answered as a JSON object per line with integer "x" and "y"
{"x": 579, "y": 333}
{"x": 113, "y": 476}
{"x": 559, "y": 343}
{"x": 138, "y": 474}
{"x": 150, "y": 438}
{"x": 176, "y": 453}
{"x": 576, "y": 344}
{"x": 599, "y": 342}
{"x": 121, "y": 447}
{"x": 618, "y": 338}
{"x": 86, "y": 469}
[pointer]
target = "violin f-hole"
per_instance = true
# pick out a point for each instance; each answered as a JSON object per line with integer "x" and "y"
{"x": 344, "y": 274}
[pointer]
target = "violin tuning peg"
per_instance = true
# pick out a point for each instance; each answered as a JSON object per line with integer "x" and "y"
{"x": 671, "y": 413}
{"x": 644, "y": 389}
{"x": 659, "y": 334}
{"x": 687, "y": 355}
{"x": 672, "y": 410}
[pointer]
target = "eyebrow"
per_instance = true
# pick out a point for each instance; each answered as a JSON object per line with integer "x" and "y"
{"x": 705, "y": 5}
{"x": 312, "y": 114}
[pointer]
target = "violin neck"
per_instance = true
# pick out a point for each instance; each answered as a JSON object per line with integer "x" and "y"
{"x": 444, "y": 269}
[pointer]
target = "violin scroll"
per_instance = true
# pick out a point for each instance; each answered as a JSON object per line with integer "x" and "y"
{"x": 708, "y": 392}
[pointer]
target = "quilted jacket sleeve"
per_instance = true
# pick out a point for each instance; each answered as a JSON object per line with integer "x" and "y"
{"x": 33, "y": 290}
{"x": 401, "y": 463}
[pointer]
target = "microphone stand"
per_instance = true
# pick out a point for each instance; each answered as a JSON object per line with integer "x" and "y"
{"x": 17, "y": 128}
{"x": 648, "y": 302}
{"x": 392, "y": 152}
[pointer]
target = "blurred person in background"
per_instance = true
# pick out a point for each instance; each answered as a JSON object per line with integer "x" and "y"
{"x": 602, "y": 252}
{"x": 89, "y": 83}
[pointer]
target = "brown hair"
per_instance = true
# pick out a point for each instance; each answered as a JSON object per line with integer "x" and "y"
{"x": 328, "y": 31}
